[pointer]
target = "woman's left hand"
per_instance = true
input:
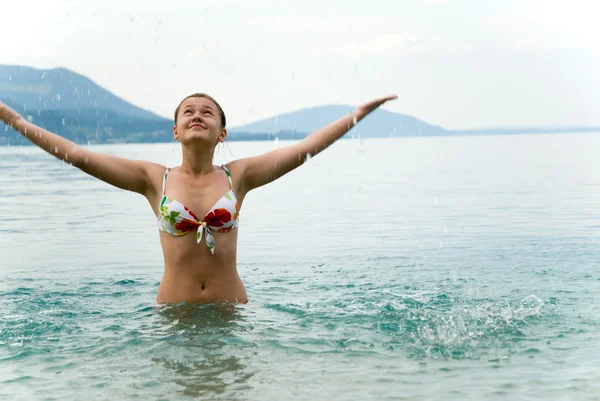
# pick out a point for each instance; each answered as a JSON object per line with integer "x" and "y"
{"x": 368, "y": 107}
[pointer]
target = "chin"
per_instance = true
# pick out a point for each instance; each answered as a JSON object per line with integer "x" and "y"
{"x": 198, "y": 137}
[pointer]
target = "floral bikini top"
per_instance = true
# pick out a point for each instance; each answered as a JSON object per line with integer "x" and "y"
{"x": 176, "y": 219}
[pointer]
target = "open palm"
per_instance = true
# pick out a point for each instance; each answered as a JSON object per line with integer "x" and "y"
{"x": 368, "y": 107}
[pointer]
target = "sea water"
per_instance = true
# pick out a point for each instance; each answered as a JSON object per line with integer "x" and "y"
{"x": 388, "y": 269}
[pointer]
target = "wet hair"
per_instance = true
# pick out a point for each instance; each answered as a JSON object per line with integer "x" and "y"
{"x": 204, "y": 95}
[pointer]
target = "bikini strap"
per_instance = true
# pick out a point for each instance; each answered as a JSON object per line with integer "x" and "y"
{"x": 228, "y": 176}
{"x": 165, "y": 180}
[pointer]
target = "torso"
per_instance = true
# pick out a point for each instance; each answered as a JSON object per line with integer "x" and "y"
{"x": 192, "y": 273}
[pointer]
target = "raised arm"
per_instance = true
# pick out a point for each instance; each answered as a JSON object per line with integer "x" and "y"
{"x": 260, "y": 170}
{"x": 126, "y": 174}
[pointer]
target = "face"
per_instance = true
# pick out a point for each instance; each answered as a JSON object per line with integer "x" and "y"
{"x": 199, "y": 119}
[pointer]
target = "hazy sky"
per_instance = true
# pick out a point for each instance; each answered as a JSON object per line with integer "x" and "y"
{"x": 454, "y": 63}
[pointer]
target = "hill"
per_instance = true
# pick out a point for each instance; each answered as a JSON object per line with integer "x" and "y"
{"x": 77, "y": 108}
{"x": 381, "y": 123}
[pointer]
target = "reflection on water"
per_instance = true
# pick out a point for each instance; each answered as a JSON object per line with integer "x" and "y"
{"x": 205, "y": 354}
{"x": 220, "y": 315}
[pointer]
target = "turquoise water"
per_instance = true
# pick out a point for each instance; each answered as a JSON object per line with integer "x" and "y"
{"x": 421, "y": 268}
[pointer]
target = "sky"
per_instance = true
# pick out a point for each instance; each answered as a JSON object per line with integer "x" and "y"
{"x": 456, "y": 63}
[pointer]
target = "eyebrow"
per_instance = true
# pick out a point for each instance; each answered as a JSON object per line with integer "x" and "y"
{"x": 203, "y": 106}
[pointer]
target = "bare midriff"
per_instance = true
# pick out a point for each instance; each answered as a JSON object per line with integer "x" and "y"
{"x": 194, "y": 275}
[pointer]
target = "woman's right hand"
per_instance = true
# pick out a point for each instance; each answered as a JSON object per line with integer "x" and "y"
{"x": 133, "y": 175}
{"x": 8, "y": 115}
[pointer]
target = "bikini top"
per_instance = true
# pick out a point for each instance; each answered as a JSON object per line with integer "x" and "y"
{"x": 176, "y": 219}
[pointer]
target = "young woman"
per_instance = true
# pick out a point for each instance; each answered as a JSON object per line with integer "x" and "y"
{"x": 197, "y": 204}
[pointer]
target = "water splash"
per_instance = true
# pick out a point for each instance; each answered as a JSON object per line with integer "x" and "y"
{"x": 419, "y": 324}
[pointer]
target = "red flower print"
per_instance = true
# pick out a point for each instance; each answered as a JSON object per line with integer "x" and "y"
{"x": 186, "y": 225}
{"x": 190, "y": 212}
{"x": 217, "y": 217}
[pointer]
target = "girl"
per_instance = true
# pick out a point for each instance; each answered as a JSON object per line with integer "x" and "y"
{"x": 197, "y": 204}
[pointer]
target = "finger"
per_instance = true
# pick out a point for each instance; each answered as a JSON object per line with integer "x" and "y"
{"x": 386, "y": 98}
{"x": 381, "y": 100}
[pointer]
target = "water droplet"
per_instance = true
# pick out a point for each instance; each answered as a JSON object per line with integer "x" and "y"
{"x": 85, "y": 160}
{"x": 354, "y": 120}
{"x": 308, "y": 157}
{"x": 56, "y": 149}
{"x": 58, "y": 97}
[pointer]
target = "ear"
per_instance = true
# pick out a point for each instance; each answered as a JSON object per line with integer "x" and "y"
{"x": 175, "y": 135}
{"x": 223, "y": 135}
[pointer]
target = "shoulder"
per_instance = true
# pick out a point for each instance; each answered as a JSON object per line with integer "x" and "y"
{"x": 236, "y": 168}
{"x": 237, "y": 171}
{"x": 154, "y": 169}
{"x": 154, "y": 173}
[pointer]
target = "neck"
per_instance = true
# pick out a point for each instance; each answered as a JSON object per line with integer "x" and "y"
{"x": 197, "y": 160}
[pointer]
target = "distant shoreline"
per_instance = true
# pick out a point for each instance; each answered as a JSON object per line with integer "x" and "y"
{"x": 78, "y": 109}
{"x": 21, "y": 141}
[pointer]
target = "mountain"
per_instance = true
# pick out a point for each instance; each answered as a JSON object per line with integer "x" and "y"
{"x": 61, "y": 89}
{"x": 380, "y": 123}
{"x": 75, "y": 107}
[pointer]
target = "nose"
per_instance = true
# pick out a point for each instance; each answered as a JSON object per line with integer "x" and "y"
{"x": 197, "y": 116}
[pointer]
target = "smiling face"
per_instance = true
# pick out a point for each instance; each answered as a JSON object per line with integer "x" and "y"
{"x": 199, "y": 117}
